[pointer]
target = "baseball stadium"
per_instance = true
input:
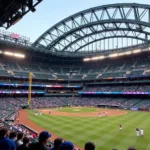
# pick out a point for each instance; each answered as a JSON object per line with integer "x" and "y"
{"x": 83, "y": 84}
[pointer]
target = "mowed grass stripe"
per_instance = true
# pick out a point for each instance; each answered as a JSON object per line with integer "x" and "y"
{"x": 103, "y": 131}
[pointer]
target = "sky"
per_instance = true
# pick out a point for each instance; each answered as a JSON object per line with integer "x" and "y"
{"x": 50, "y": 12}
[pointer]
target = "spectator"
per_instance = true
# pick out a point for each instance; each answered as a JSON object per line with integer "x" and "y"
{"x": 25, "y": 145}
{"x": 34, "y": 135}
{"x": 89, "y": 146}
{"x": 30, "y": 136}
{"x": 19, "y": 142}
{"x": 57, "y": 143}
{"x": 131, "y": 148}
{"x": 66, "y": 146}
{"x": 5, "y": 142}
{"x": 43, "y": 139}
{"x": 13, "y": 136}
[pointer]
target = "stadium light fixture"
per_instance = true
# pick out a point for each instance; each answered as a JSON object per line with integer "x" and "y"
{"x": 120, "y": 54}
{"x": 9, "y": 53}
{"x": 101, "y": 57}
{"x": 137, "y": 51}
{"x": 19, "y": 55}
{"x": 95, "y": 58}
{"x": 14, "y": 54}
{"x": 86, "y": 59}
{"x": 113, "y": 55}
{"x": 127, "y": 53}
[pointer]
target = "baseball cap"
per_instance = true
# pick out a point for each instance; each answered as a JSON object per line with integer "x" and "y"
{"x": 66, "y": 146}
{"x": 44, "y": 135}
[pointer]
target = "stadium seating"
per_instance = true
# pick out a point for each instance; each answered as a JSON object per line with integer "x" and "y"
{"x": 4, "y": 73}
{"x": 117, "y": 88}
{"x": 131, "y": 103}
{"x": 134, "y": 68}
{"x": 117, "y": 102}
{"x": 5, "y": 114}
{"x": 91, "y": 76}
{"x": 77, "y": 76}
{"x": 113, "y": 74}
{"x": 5, "y": 104}
{"x": 142, "y": 103}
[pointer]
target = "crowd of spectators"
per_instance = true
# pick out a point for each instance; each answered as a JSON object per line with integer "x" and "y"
{"x": 10, "y": 140}
{"x": 117, "y": 88}
{"x": 28, "y": 132}
{"x": 5, "y": 104}
{"x": 145, "y": 107}
{"x": 9, "y": 106}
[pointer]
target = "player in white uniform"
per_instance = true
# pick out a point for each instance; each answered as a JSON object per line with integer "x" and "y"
{"x": 36, "y": 113}
{"x": 137, "y": 132}
{"x": 141, "y": 132}
{"x": 120, "y": 127}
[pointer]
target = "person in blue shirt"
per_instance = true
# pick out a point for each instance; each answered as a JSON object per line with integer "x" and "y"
{"x": 13, "y": 136}
{"x": 5, "y": 142}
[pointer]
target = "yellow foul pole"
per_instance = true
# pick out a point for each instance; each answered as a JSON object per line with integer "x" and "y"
{"x": 30, "y": 88}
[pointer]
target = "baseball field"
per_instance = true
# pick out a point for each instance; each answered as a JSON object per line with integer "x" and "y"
{"x": 80, "y": 125}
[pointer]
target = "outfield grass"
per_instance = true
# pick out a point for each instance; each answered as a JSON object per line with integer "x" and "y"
{"x": 104, "y": 132}
{"x": 77, "y": 110}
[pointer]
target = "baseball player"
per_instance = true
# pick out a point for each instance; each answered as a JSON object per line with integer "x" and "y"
{"x": 141, "y": 132}
{"x": 120, "y": 127}
{"x": 137, "y": 132}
